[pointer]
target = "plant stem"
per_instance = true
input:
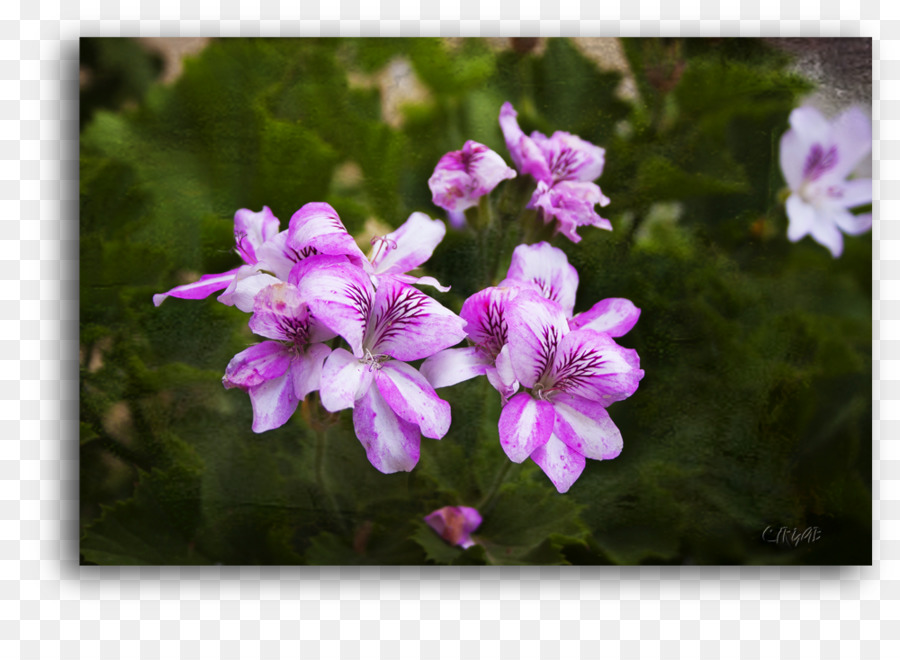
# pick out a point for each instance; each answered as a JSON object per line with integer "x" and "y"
{"x": 320, "y": 425}
{"x": 491, "y": 495}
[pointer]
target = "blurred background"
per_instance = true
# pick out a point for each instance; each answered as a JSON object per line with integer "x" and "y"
{"x": 755, "y": 411}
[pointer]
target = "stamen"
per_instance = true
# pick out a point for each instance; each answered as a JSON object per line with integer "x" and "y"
{"x": 384, "y": 243}
{"x": 374, "y": 362}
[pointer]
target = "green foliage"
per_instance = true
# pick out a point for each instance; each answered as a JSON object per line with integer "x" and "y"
{"x": 755, "y": 409}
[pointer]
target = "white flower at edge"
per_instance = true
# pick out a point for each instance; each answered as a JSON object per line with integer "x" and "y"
{"x": 817, "y": 156}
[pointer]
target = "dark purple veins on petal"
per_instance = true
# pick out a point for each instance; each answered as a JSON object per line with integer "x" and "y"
{"x": 550, "y": 292}
{"x": 468, "y": 158}
{"x": 299, "y": 255}
{"x": 563, "y": 164}
{"x": 819, "y": 161}
{"x": 360, "y": 299}
{"x": 549, "y": 342}
{"x": 295, "y": 330}
{"x": 406, "y": 308}
{"x": 494, "y": 326}
{"x": 575, "y": 368}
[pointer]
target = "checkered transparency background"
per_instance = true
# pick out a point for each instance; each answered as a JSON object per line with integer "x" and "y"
{"x": 51, "y": 608}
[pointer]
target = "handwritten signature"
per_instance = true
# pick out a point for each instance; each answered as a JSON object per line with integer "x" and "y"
{"x": 791, "y": 535}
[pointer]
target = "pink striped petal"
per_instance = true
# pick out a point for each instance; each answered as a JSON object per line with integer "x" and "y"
{"x": 484, "y": 313}
{"x": 206, "y": 285}
{"x": 585, "y": 426}
{"x": 339, "y": 295}
{"x": 548, "y": 268}
{"x": 252, "y": 230}
{"x": 562, "y": 464}
{"x": 413, "y": 398}
{"x": 408, "y": 325}
{"x": 614, "y": 316}
{"x": 317, "y": 227}
{"x": 273, "y": 403}
{"x": 593, "y": 366}
{"x": 569, "y": 157}
{"x": 454, "y": 365}
{"x": 255, "y": 365}
{"x": 525, "y": 424}
{"x": 280, "y": 313}
{"x": 536, "y": 326}
{"x": 572, "y": 204}
{"x": 462, "y": 177}
{"x": 391, "y": 443}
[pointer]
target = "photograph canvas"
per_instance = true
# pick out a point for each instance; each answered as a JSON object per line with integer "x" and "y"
{"x": 421, "y": 301}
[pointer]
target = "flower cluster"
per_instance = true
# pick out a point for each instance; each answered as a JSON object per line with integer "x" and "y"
{"x": 310, "y": 283}
{"x": 310, "y": 286}
{"x": 563, "y": 165}
{"x": 523, "y": 336}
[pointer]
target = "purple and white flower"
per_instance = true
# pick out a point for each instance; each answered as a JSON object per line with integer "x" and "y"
{"x": 455, "y": 524}
{"x": 573, "y": 376}
{"x": 462, "y": 177}
{"x": 279, "y": 374}
{"x": 393, "y": 404}
{"x": 488, "y": 355}
{"x": 817, "y": 156}
{"x": 564, "y": 167}
{"x": 547, "y": 270}
{"x": 540, "y": 268}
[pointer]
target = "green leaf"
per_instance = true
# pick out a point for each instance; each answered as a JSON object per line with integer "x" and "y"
{"x": 154, "y": 527}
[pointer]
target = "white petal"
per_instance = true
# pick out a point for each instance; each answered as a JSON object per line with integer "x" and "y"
{"x": 392, "y": 444}
{"x": 853, "y": 136}
{"x": 852, "y": 224}
{"x": 562, "y": 464}
{"x": 525, "y": 425}
{"x": 586, "y": 427}
{"x": 792, "y": 155}
{"x": 413, "y": 399}
{"x": 614, "y": 316}
{"x": 306, "y": 369}
{"x": 344, "y": 380}
{"x": 454, "y": 365}
{"x": 548, "y": 268}
{"x": 824, "y": 231}
{"x": 801, "y": 217}
{"x": 856, "y": 192}
{"x": 415, "y": 241}
{"x": 243, "y": 289}
{"x": 408, "y": 325}
{"x": 535, "y": 327}
{"x": 273, "y": 403}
